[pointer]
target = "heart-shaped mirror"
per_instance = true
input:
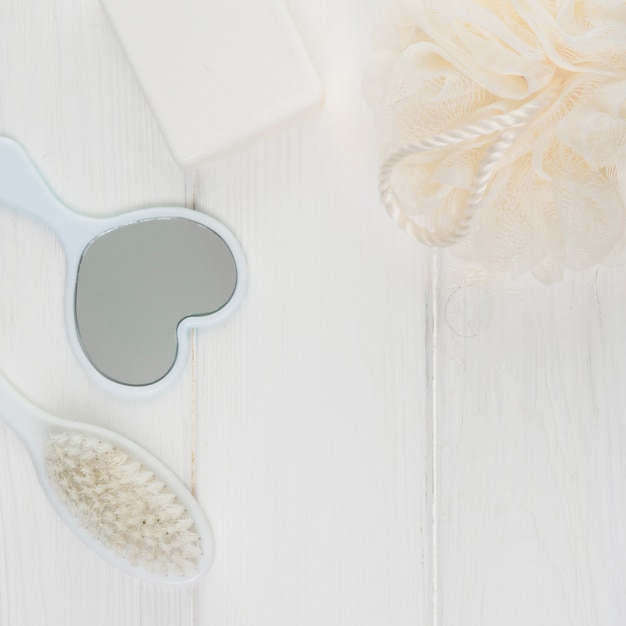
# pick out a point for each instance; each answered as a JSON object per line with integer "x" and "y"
{"x": 136, "y": 282}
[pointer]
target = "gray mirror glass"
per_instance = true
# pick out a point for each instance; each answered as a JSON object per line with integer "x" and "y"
{"x": 137, "y": 282}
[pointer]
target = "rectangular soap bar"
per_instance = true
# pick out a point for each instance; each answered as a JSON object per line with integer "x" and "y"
{"x": 217, "y": 73}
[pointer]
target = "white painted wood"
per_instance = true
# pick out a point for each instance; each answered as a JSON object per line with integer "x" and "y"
{"x": 354, "y": 380}
{"x": 312, "y": 441}
{"x": 311, "y": 416}
{"x": 530, "y": 452}
{"x": 67, "y": 94}
{"x": 306, "y": 414}
{"x": 311, "y": 434}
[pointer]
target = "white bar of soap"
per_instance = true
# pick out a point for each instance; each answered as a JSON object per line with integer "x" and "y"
{"x": 217, "y": 73}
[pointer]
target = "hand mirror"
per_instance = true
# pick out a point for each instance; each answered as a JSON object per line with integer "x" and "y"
{"x": 135, "y": 283}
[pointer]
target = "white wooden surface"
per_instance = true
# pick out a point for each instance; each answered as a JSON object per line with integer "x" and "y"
{"x": 300, "y": 424}
{"x": 530, "y": 443}
{"x": 376, "y": 440}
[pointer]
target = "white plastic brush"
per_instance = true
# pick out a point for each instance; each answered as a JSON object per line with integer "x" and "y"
{"x": 119, "y": 499}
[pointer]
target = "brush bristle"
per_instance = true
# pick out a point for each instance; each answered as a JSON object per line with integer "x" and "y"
{"x": 123, "y": 505}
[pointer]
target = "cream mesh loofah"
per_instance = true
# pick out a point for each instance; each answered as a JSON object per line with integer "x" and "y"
{"x": 503, "y": 126}
{"x": 122, "y": 504}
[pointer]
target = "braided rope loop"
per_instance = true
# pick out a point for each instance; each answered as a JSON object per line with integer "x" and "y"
{"x": 508, "y": 127}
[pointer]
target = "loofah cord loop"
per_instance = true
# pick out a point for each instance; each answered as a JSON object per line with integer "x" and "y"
{"x": 508, "y": 125}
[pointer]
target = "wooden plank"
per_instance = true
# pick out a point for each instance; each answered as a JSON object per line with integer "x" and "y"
{"x": 69, "y": 96}
{"x": 312, "y": 445}
{"x": 530, "y": 454}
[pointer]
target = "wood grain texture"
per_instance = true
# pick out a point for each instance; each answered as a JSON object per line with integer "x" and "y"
{"x": 305, "y": 414}
{"x": 312, "y": 439}
{"x": 376, "y": 439}
{"x": 530, "y": 451}
{"x": 67, "y": 94}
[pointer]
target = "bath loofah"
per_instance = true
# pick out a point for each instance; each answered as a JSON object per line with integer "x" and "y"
{"x": 503, "y": 130}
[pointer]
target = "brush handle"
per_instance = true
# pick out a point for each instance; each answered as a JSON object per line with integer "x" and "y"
{"x": 23, "y": 189}
{"x": 27, "y": 421}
